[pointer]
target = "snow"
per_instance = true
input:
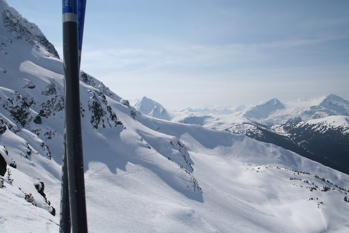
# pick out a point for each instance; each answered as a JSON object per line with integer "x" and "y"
{"x": 152, "y": 175}
{"x": 330, "y": 122}
{"x": 18, "y": 215}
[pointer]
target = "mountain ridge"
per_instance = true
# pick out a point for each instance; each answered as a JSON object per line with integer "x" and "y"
{"x": 22, "y": 29}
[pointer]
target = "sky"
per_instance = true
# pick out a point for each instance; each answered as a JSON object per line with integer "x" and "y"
{"x": 193, "y": 53}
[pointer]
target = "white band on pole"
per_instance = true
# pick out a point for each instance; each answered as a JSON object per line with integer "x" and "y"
{"x": 70, "y": 17}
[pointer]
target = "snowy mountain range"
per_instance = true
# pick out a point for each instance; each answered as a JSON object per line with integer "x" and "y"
{"x": 144, "y": 174}
{"x": 274, "y": 112}
{"x": 314, "y": 128}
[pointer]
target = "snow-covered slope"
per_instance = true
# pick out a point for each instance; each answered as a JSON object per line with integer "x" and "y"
{"x": 152, "y": 108}
{"x": 144, "y": 174}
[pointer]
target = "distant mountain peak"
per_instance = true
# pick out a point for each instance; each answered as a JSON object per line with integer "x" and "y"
{"x": 335, "y": 105}
{"x": 152, "y": 108}
{"x": 263, "y": 110}
{"x": 335, "y": 98}
{"x": 273, "y": 102}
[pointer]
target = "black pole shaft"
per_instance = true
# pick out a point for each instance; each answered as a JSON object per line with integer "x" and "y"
{"x": 64, "y": 225}
{"x": 73, "y": 150}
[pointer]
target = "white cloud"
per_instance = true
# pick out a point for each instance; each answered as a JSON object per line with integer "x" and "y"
{"x": 196, "y": 59}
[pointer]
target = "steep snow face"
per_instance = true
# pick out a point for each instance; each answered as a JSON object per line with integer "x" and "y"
{"x": 151, "y": 108}
{"x": 264, "y": 110}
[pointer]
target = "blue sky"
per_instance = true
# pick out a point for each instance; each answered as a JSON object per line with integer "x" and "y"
{"x": 210, "y": 52}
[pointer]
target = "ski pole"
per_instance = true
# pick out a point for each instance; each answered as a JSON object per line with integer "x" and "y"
{"x": 64, "y": 225}
{"x": 73, "y": 159}
{"x": 81, "y": 24}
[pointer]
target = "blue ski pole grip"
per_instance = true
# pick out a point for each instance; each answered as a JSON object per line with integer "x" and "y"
{"x": 69, "y": 6}
{"x": 70, "y": 11}
{"x": 81, "y": 21}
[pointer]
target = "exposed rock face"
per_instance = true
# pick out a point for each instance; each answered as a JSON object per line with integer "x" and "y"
{"x": 3, "y": 165}
{"x": 19, "y": 107}
{"x": 40, "y": 187}
{"x": 2, "y": 126}
{"x": 102, "y": 114}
